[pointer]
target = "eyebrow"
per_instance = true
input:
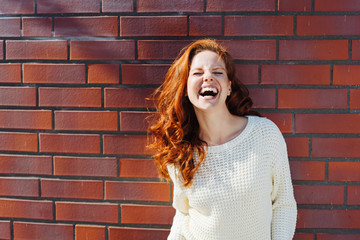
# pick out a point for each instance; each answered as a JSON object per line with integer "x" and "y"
{"x": 215, "y": 68}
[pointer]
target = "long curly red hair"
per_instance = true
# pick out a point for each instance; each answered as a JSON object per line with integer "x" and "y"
{"x": 175, "y": 129}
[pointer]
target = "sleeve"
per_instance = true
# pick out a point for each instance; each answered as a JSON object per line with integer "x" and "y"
{"x": 181, "y": 205}
{"x": 284, "y": 211}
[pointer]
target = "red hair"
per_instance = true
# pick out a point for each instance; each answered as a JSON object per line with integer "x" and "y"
{"x": 176, "y": 129}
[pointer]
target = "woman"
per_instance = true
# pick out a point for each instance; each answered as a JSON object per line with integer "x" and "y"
{"x": 228, "y": 165}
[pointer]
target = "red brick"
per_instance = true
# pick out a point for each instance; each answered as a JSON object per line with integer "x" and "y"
{"x": 328, "y": 218}
{"x": 9, "y": 27}
{"x": 23, "y": 142}
{"x": 345, "y": 25}
{"x": 89, "y": 232}
{"x": 336, "y": 147}
{"x": 295, "y": 74}
{"x": 69, "y": 97}
{"x": 87, "y": 212}
{"x": 344, "y": 171}
{"x": 116, "y": 233}
{"x": 137, "y": 191}
{"x": 354, "y": 98}
{"x": 36, "y": 49}
{"x": 282, "y": 120}
{"x": 334, "y": 236}
{"x": 14, "y": 208}
{"x": 353, "y": 195}
{"x": 68, "y": 6}
{"x": 297, "y": 147}
{"x": 69, "y": 143}
{"x": 312, "y": 98}
{"x": 125, "y": 144}
{"x": 43, "y": 231}
{"x": 240, "y": 6}
{"x": 37, "y": 26}
{"x": 117, "y": 6}
{"x": 104, "y": 26}
{"x": 263, "y": 98}
{"x": 327, "y": 123}
{"x": 78, "y": 189}
{"x": 258, "y": 26}
{"x": 1, "y": 49}
{"x": 127, "y": 97}
{"x": 54, "y": 73}
{"x": 247, "y": 74}
{"x": 251, "y": 49}
{"x": 103, "y": 74}
{"x": 303, "y": 236}
{"x": 346, "y": 75}
{"x": 319, "y": 194}
{"x": 337, "y": 6}
{"x": 25, "y": 165}
{"x": 17, "y": 7}
{"x": 160, "y": 49}
{"x": 5, "y": 230}
{"x": 170, "y": 6}
{"x": 85, "y": 166}
{"x": 355, "y": 50}
{"x": 86, "y": 120}
{"x": 146, "y": 214}
{"x": 134, "y": 121}
{"x": 143, "y": 73}
{"x": 102, "y": 50}
{"x": 138, "y": 168}
{"x": 153, "y": 26}
{"x": 20, "y": 187}
{"x": 313, "y": 50}
{"x": 18, "y": 96}
{"x": 295, "y": 6}
{"x": 307, "y": 170}
{"x": 205, "y": 25}
{"x": 10, "y": 73}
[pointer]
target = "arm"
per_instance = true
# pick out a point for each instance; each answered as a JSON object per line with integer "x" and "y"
{"x": 181, "y": 205}
{"x": 283, "y": 202}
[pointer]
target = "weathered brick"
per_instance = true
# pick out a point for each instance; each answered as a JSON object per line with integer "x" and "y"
{"x": 43, "y": 231}
{"x": 313, "y": 50}
{"x": 117, "y": 6}
{"x": 170, "y": 6}
{"x": 35, "y": 209}
{"x": 295, "y": 6}
{"x": 89, "y": 232}
{"x": 143, "y": 73}
{"x": 69, "y": 143}
{"x": 54, "y": 73}
{"x": 137, "y": 191}
{"x": 87, "y": 212}
{"x": 17, "y": 7}
{"x": 127, "y": 97}
{"x": 10, "y": 73}
{"x": 307, "y": 170}
{"x": 117, "y": 233}
{"x": 146, "y": 214}
{"x": 240, "y": 6}
{"x": 102, "y": 50}
{"x": 25, "y": 164}
{"x": 86, "y": 120}
{"x": 258, "y": 26}
{"x": 125, "y": 144}
{"x": 22, "y": 142}
{"x": 336, "y": 6}
{"x": 36, "y": 49}
{"x": 346, "y": 75}
{"x": 336, "y": 147}
{"x": 19, "y": 187}
{"x": 134, "y": 121}
{"x": 103, "y": 74}
{"x": 9, "y": 27}
{"x": 153, "y": 26}
{"x": 37, "y": 26}
{"x": 85, "y": 166}
{"x": 68, "y": 6}
{"x": 18, "y": 96}
{"x": 319, "y": 194}
{"x": 138, "y": 168}
{"x": 205, "y": 25}
{"x": 103, "y": 26}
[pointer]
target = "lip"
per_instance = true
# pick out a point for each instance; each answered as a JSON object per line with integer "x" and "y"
{"x": 208, "y": 97}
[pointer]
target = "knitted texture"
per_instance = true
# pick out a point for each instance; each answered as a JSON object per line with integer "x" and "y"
{"x": 241, "y": 191}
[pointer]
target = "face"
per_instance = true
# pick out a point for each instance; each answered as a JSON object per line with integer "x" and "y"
{"x": 208, "y": 85}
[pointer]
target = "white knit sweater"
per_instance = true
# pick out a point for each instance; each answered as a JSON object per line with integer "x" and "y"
{"x": 242, "y": 190}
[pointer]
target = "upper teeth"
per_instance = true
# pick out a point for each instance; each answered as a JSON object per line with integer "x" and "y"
{"x": 206, "y": 89}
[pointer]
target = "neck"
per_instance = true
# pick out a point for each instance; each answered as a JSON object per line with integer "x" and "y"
{"x": 219, "y": 127}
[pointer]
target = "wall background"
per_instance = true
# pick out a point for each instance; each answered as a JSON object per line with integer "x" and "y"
{"x": 73, "y": 78}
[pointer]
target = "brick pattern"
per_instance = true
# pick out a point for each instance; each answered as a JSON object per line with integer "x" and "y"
{"x": 74, "y": 76}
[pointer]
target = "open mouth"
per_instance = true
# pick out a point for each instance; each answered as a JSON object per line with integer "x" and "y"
{"x": 208, "y": 92}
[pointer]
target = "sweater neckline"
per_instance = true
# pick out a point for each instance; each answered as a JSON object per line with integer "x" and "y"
{"x": 235, "y": 140}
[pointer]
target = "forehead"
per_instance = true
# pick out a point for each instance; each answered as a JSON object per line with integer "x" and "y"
{"x": 207, "y": 59}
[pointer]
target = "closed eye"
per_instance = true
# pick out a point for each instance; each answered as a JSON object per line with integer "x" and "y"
{"x": 218, "y": 73}
{"x": 197, "y": 73}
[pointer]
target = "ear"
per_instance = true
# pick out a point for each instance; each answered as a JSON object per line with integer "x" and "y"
{"x": 229, "y": 92}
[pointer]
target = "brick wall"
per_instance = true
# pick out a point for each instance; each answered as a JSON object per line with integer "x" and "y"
{"x": 73, "y": 78}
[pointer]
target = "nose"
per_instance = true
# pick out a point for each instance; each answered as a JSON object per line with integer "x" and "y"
{"x": 208, "y": 76}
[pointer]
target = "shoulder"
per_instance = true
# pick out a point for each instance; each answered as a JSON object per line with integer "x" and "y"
{"x": 264, "y": 124}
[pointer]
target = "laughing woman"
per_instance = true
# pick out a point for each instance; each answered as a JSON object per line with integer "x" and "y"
{"x": 229, "y": 166}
